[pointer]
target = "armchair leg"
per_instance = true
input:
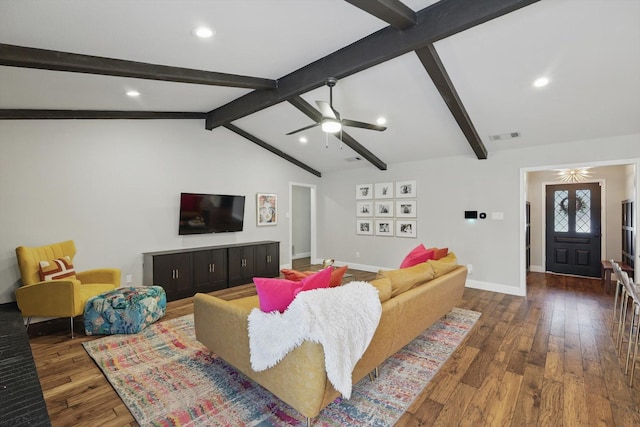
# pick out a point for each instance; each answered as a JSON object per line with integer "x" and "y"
{"x": 71, "y": 327}
{"x": 308, "y": 422}
{"x": 28, "y": 323}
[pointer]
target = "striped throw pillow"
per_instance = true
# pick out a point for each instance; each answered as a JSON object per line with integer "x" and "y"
{"x": 60, "y": 268}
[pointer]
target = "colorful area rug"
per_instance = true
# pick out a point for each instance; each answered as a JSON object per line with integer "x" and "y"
{"x": 167, "y": 378}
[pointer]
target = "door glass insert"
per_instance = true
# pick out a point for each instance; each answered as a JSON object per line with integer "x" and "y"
{"x": 561, "y": 211}
{"x": 583, "y": 211}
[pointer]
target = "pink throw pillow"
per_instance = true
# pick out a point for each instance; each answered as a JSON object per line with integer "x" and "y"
{"x": 418, "y": 255}
{"x": 277, "y": 294}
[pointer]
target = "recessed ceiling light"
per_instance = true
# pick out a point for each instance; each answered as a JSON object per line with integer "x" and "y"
{"x": 541, "y": 82}
{"x": 303, "y": 139}
{"x": 202, "y": 32}
{"x": 133, "y": 93}
{"x": 381, "y": 120}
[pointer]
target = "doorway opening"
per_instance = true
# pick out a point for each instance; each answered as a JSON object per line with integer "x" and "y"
{"x": 302, "y": 226}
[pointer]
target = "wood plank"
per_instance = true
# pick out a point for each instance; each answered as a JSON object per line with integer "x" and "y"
{"x": 551, "y": 403}
{"x": 575, "y": 402}
{"x": 502, "y": 404}
{"x": 528, "y": 406}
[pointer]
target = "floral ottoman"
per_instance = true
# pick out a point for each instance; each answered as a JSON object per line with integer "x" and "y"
{"x": 124, "y": 310}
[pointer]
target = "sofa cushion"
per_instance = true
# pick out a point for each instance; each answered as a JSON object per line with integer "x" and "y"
{"x": 56, "y": 269}
{"x": 337, "y": 273}
{"x": 406, "y": 278}
{"x": 418, "y": 255}
{"x": 383, "y": 285}
{"x": 444, "y": 265}
{"x": 277, "y": 294}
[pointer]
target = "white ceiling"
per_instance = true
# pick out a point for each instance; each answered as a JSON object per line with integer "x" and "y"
{"x": 589, "y": 49}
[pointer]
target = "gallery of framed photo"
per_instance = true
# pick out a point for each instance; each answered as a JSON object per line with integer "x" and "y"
{"x": 364, "y": 226}
{"x": 405, "y": 189}
{"x": 267, "y": 209}
{"x": 384, "y": 209}
{"x": 383, "y": 190}
{"x": 406, "y": 228}
{"x": 364, "y": 191}
{"x": 406, "y": 208}
{"x": 364, "y": 209}
{"x": 384, "y": 227}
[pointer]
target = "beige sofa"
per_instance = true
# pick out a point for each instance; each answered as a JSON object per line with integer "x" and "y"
{"x": 412, "y": 299}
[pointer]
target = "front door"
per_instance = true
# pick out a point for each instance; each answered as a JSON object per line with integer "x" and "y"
{"x": 573, "y": 229}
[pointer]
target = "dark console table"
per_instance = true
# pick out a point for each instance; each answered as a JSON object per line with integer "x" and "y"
{"x": 184, "y": 272}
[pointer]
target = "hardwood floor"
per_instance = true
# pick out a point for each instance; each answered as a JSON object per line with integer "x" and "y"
{"x": 546, "y": 360}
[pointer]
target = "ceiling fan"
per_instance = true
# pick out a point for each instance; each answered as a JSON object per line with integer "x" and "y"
{"x": 331, "y": 121}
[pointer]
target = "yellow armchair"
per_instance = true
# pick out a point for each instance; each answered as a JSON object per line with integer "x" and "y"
{"x": 58, "y": 298}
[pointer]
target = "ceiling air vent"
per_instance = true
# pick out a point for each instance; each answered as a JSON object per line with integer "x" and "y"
{"x": 353, "y": 159}
{"x": 504, "y": 136}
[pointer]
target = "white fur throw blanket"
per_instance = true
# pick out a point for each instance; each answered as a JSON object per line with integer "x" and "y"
{"x": 343, "y": 319}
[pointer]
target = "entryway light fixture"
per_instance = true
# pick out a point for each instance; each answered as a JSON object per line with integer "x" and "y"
{"x": 574, "y": 175}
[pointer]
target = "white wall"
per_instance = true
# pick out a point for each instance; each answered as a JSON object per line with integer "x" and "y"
{"x": 445, "y": 189}
{"x": 114, "y": 186}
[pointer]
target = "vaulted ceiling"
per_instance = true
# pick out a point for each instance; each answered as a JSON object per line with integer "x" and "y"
{"x": 447, "y": 75}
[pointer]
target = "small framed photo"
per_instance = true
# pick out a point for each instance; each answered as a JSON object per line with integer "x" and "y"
{"x": 383, "y": 190}
{"x": 364, "y": 209}
{"x": 406, "y": 208}
{"x": 364, "y": 191}
{"x": 364, "y": 226}
{"x": 384, "y": 227}
{"x": 267, "y": 209}
{"x": 406, "y": 228}
{"x": 384, "y": 209}
{"x": 406, "y": 189}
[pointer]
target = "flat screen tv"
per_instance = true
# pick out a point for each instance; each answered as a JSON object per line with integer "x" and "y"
{"x": 210, "y": 213}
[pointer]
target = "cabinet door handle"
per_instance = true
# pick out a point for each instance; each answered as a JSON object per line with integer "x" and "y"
{"x": 212, "y": 268}
{"x": 177, "y": 273}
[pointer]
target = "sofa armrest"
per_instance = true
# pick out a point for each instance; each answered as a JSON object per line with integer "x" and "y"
{"x": 223, "y": 327}
{"x": 100, "y": 275}
{"x": 53, "y": 298}
{"x": 299, "y": 379}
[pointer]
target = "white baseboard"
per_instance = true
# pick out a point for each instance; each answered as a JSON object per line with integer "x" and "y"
{"x": 301, "y": 255}
{"x": 474, "y": 284}
{"x": 536, "y": 268}
{"x": 494, "y": 287}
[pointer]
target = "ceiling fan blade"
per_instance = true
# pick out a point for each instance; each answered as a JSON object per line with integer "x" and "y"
{"x": 363, "y": 125}
{"x": 304, "y": 128}
{"x": 327, "y": 111}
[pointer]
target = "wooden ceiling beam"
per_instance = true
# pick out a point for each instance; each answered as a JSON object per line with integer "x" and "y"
{"x": 349, "y": 141}
{"x": 393, "y": 12}
{"x": 28, "y": 57}
{"x": 434, "y": 23}
{"x": 23, "y": 114}
{"x": 433, "y": 65}
{"x": 272, "y": 149}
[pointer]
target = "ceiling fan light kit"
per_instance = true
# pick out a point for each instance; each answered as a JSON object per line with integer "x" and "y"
{"x": 331, "y": 125}
{"x": 331, "y": 121}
